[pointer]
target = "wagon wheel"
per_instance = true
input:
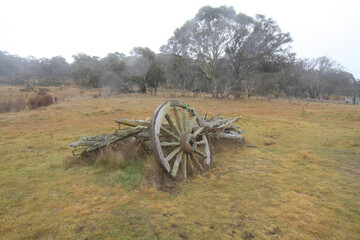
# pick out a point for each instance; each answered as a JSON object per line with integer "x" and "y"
{"x": 179, "y": 139}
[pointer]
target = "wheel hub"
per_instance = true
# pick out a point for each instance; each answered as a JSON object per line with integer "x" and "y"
{"x": 187, "y": 143}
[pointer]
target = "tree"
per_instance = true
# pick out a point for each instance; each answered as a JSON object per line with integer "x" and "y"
{"x": 181, "y": 72}
{"x": 11, "y": 67}
{"x": 316, "y": 74}
{"x": 204, "y": 39}
{"x": 86, "y": 70}
{"x": 112, "y": 58}
{"x": 155, "y": 75}
{"x": 59, "y": 67}
{"x": 258, "y": 46}
{"x": 145, "y": 69}
{"x": 355, "y": 91}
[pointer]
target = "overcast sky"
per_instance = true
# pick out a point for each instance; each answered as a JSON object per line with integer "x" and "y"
{"x": 49, "y": 28}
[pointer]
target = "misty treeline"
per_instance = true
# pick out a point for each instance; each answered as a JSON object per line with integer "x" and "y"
{"x": 218, "y": 51}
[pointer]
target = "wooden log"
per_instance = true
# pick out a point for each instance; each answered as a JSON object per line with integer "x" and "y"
{"x": 132, "y": 122}
{"x": 99, "y": 141}
{"x": 229, "y": 135}
{"x": 220, "y": 124}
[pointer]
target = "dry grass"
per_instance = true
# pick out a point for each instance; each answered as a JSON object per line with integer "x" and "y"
{"x": 61, "y": 93}
{"x": 12, "y": 105}
{"x": 110, "y": 159}
{"x": 304, "y": 185}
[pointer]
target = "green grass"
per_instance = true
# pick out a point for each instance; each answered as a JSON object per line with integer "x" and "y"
{"x": 302, "y": 181}
{"x": 132, "y": 173}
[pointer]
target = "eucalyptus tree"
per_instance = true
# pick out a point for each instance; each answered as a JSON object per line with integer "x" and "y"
{"x": 258, "y": 46}
{"x": 59, "y": 67}
{"x": 87, "y": 70}
{"x": 356, "y": 91}
{"x": 145, "y": 69}
{"x": 181, "y": 72}
{"x": 316, "y": 74}
{"x": 13, "y": 68}
{"x": 115, "y": 74}
{"x": 204, "y": 40}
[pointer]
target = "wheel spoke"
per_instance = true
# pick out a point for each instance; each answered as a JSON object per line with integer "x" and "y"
{"x": 193, "y": 158}
{"x": 176, "y": 163}
{"x": 170, "y": 134}
{"x": 172, "y": 124}
{"x": 191, "y": 165}
{"x": 185, "y": 120}
{"x": 199, "y": 130}
{"x": 191, "y": 124}
{"x": 172, "y": 154}
{"x": 183, "y": 165}
{"x": 207, "y": 150}
{"x": 201, "y": 143}
{"x": 167, "y": 144}
{"x": 177, "y": 118}
{"x": 198, "y": 152}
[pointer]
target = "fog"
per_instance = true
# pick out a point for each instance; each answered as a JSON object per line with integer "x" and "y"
{"x": 51, "y": 28}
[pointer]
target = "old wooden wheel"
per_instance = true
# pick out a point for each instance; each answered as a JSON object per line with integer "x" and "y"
{"x": 179, "y": 139}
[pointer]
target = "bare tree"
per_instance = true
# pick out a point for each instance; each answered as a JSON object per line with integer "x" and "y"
{"x": 316, "y": 73}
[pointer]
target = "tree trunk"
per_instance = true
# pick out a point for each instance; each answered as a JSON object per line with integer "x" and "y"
{"x": 312, "y": 94}
{"x": 227, "y": 90}
{"x": 215, "y": 90}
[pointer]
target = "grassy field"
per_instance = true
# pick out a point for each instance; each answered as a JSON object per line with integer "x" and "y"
{"x": 302, "y": 181}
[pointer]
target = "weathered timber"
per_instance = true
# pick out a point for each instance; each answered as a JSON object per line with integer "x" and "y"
{"x": 99, "y": 141}
{"x": 132, "y": 122}
{"x": 180, "y": 142}
{"x": 217, "y": 127}
{"x": 218, "y": 124}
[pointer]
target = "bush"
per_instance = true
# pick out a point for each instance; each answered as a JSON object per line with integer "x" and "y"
{"x": 40, "y": 101}
{"x": 10, "y": 105}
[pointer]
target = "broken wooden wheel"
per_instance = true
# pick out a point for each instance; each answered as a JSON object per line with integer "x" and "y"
{"x": 179, "y": 139}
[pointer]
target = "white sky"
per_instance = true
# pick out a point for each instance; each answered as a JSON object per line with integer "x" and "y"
{"x": 46, "y": 28}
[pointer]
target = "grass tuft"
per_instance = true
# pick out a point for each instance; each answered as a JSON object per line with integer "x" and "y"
{"x": 155, "y": 176}
{"x": 109, "y": 158}
{"x": 71, "y": 161}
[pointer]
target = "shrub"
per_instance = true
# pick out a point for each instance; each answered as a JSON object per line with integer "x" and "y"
{"x": 10, "y": 105}
{"x": 156, "y": 176}
{"x": 40, "y": 101}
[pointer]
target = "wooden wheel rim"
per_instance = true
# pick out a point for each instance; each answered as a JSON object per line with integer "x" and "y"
{"x": 187, "y": 136}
